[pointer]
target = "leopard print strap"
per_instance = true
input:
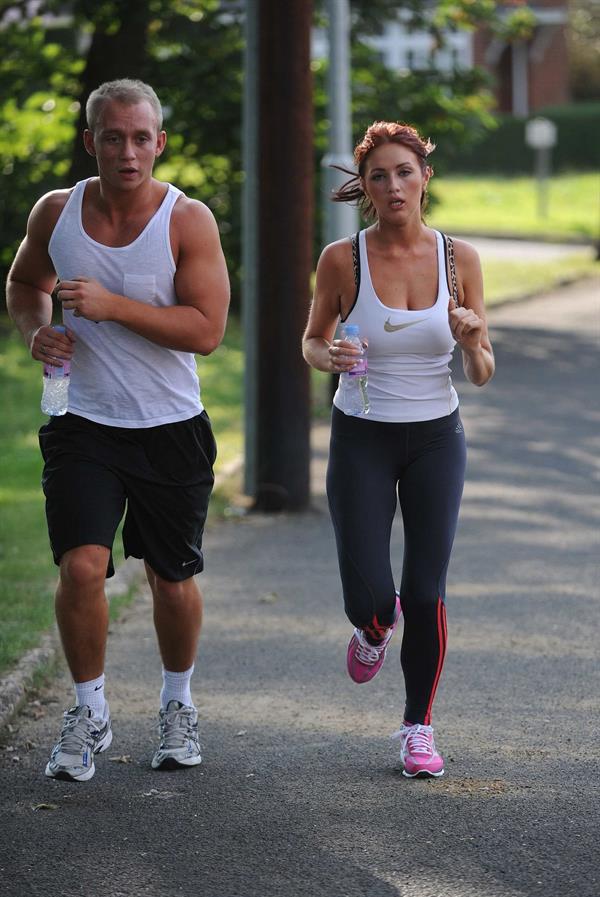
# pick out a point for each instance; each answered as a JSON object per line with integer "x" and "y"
{"x": 355, "y": 261}
{"x": 452, "y": 266}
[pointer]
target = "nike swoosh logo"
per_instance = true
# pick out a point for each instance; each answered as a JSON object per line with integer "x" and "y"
{"x": 391, "y": 328}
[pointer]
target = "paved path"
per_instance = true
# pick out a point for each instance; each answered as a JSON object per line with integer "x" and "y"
{"x": 300, "y": 792}
{"x": 528, "y": 250}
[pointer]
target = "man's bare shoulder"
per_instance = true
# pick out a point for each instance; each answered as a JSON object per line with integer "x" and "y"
{"x": 46, "y": 211}
{"x": 192, "y": 212}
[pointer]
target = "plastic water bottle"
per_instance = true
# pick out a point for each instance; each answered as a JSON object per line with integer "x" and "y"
{"x": 353, "y": 384}
{"x": 55, "y": 394}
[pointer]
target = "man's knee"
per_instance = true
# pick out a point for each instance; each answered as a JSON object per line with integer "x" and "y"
{"x": 174, "y": 592}
{"x": 84, "y": 566}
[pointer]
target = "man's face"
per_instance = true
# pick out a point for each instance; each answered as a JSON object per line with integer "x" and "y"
{"x": 126, "y": 143}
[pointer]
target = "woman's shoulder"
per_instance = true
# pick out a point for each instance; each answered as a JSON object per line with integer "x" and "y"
{"x": 337, "y": 255}
{"x": 464, "y": 251}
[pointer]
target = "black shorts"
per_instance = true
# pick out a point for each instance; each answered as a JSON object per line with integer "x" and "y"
{"x": 159, "y": 477}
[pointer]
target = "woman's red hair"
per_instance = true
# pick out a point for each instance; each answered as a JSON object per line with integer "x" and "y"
{"x": 377, "y": 134}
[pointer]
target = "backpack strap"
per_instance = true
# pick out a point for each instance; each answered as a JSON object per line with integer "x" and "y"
{"x": 452, "y": 268}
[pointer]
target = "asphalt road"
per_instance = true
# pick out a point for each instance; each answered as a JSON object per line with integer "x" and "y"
{"x": 300, "y": 791}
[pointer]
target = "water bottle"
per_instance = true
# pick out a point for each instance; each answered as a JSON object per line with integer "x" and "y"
{"x": 55, "y": 395}
{"x": 353, "y": 384}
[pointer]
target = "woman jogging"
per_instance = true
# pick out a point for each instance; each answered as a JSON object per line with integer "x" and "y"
{"x": 414, "y": 294}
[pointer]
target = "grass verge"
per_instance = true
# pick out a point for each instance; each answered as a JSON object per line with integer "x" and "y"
{"x": 497, "y": 205}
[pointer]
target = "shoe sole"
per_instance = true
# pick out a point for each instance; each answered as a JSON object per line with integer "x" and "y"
{"x": 170, "y": 763}
{"x": 423, "y": 774}
{"x": 64, "y": 776}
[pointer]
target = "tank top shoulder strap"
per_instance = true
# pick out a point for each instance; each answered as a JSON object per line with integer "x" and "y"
{"x": 166, "y": 207}
{"x": 450, "y": 268}
{"x": 355, "y": 259}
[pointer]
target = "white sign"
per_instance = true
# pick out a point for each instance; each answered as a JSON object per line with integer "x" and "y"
{"x": 540, "y": 133}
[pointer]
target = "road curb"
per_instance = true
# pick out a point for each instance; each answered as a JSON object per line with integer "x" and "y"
{"x": 14, "y": 685}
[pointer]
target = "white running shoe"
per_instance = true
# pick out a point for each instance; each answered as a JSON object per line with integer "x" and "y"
{"x": 179, "y": 745}
{"x": 81, "y": 737}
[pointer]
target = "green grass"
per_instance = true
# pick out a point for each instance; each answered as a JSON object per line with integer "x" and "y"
{"x": 504, "y": 280}
{"x": 27, "y": 572}
{"x": 510, "y": 206}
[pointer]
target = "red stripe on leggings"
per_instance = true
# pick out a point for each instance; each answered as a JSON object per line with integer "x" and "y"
{"x": 442, "y": 641}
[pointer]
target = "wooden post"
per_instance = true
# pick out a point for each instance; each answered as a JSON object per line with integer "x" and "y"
{"x": 285, "y": 214}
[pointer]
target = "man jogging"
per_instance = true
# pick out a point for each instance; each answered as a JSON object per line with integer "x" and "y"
{"x": 143, "y": 284}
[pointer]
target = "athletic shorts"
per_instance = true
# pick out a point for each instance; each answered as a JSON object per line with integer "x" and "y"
{"x": 160, "y": 478}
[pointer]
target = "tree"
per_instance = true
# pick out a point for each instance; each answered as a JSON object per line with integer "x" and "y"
{"x": 191, "y": 52}
{"x": 584, "y": 49}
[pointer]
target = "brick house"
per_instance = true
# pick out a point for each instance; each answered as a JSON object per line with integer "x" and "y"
{"x": 528, "y": 74}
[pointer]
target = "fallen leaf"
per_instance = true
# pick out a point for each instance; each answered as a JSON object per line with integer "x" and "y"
{"x": 161, "y": 795}
{"x": 124, "y": 758}
{"x": 269, "y": 598}
{"x": 44, "y": 807}
{"x": 241, "y": 732}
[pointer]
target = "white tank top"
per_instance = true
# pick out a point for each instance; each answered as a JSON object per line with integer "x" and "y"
{"x": 119, "y": 378}
{"x": 409, "y": 351}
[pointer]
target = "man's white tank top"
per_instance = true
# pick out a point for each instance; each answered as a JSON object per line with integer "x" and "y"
{"x": 119, "y": 378}
{"x": 409, "y": 352}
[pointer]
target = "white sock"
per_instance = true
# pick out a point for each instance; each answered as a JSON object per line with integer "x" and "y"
{"x": 176, "y": 687}
{"x": 92, "y": 694}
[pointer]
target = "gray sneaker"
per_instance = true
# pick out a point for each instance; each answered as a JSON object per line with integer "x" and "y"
{"x": 81, "y": 737}
{"x": 179, "y": 745}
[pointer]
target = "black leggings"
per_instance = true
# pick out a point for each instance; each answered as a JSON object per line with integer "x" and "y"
{"x": 424, "y": 462}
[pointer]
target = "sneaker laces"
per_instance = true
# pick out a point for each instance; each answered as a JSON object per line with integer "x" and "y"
{"x": 366, "y": 652}
{"x": 176, "y": 728}
{"x": 419, "y": 739}
{"x": 77, "y": 733}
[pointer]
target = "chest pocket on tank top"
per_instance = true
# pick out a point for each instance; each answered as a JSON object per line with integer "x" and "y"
{"x": 141, "y": 287}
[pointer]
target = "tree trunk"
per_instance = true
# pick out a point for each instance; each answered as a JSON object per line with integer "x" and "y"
{"x": 285, "y": 213}
{"x": 118, "y": 50}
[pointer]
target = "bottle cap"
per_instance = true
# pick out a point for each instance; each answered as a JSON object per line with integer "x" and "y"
{"x": 351, "y": 329}
{"x": 60, "y": 328}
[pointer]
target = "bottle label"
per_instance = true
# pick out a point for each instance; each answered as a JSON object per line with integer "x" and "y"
{"x": 53, "y": 373}
{"x": 359, "y": 369}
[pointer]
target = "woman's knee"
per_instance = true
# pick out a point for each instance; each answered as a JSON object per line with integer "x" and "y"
{"x": 419, "y": 601}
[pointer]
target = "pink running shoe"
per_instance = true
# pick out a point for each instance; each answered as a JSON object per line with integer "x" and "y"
{"x": 418, "y": 753}
{"x": 364, "y": 659}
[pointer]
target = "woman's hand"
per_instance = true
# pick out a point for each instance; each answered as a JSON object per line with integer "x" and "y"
{"x": 343, "y": 356}
{"x": 466, "y": 326}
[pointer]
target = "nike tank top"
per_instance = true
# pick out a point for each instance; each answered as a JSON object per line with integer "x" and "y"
{"x": 118, "y": 377}
{"x": 409, "y": 352}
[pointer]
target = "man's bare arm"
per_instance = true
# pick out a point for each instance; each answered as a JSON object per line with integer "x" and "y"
{"x": 197, "y": 322}
{"x": 31, "y": 280}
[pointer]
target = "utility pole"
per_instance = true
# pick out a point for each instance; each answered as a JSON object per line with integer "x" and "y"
{"x": 278, "y": 438}
{"x": 340, "y": 219}
{"x": 250, "y": 242}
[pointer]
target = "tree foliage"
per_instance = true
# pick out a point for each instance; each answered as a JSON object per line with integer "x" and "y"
{"x": 191, "y": 52}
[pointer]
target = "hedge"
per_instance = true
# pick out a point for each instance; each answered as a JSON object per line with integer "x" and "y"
{"x": 504, "y": 151}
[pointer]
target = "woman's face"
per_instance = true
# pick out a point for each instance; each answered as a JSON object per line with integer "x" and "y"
{"x": 394, "y": 182}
